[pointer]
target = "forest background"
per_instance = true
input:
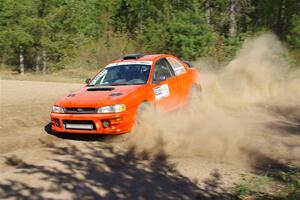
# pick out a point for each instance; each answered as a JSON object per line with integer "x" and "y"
{"x": 76, "y": 38}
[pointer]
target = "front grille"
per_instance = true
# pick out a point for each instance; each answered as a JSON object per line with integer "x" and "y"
{"x": 80, "y": 110}
{"x": 79, "y": 122}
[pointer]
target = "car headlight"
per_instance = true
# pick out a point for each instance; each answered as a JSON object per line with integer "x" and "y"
{"x": 57, "y": 109}
{"x": 112, "y": 109}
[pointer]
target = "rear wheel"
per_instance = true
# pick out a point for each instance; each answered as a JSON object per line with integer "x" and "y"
{"x": 195, "y": 94}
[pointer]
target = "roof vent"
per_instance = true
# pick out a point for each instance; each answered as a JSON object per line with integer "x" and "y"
{"x": 132, "y": 56}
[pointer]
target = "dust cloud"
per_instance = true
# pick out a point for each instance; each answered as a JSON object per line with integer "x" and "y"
{"x": 250, "y": 107}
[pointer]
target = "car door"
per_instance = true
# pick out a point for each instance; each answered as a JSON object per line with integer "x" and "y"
{"x": 165, "y": 86}
{"x": 183, "y": 80}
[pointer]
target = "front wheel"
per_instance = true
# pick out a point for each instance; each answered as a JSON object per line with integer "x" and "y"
{"x": 139, "y": 119}
{"x": 140, "y": 114}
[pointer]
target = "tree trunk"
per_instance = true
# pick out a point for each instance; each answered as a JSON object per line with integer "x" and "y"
{"x": 37, "y": 62}
{"x": 208, "y": 12}
{"x": 279, "y": 17}
{"x": 44, "y": 54}
{"x": 232, "y": 18}
{"x": 22, "y": 68}
{"x": 141, "y": 16}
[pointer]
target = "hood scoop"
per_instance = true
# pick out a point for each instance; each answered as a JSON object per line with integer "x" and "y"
{"x": 115, "y": 94}
{"x": 100, "y": 89}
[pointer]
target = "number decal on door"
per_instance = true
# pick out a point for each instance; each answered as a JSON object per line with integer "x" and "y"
{"x": 161, "y": 92}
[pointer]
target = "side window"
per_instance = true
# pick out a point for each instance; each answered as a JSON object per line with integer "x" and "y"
{"x": 176, "y": 66}
{"x": 162, "y": 68}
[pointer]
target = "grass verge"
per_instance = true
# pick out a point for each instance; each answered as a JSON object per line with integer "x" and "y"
{"x": 281, "y": 184}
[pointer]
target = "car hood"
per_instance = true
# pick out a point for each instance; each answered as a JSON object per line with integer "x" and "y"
{"x": 94, "y": 97}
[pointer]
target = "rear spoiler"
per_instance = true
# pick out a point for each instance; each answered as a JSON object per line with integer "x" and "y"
{"x": 189, "y": 64}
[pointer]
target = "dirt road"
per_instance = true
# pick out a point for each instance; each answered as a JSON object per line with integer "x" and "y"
{"x": 248, "y": 122}
{"x": 38, "y": 165}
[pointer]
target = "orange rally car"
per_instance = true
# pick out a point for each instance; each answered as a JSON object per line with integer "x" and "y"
{"x": 110, "y": 101}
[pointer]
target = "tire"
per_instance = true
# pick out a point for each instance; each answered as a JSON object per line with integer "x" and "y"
{"x": 195, "y": 95}
{"x": 143, "y": 107}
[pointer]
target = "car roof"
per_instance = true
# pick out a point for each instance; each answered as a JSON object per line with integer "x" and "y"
{"x": 150, "y": 57}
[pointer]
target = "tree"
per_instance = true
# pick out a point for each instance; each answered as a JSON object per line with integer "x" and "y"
{"x": 48, "y": 27}
{"x": 15, "y": 37}
{"x": 178, "y": 27}
{"x": 294, "y": 34}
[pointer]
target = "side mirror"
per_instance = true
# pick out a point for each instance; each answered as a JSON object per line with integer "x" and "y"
{"x": 190, "y": 65}
{"x": 88, "y": 80}
{"x": 160, "y": 79}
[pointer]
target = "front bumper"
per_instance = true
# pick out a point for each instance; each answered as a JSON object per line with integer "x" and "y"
{"x": 118, "y": 122}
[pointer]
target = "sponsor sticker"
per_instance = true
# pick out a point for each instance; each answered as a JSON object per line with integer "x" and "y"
{"x": 161, "y": 92}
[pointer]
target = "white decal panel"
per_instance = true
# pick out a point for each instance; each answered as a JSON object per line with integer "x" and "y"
{"x": 101, "y": 74}
{"x": 177, "y": 67}
{"x": 130, "y": 63}
{"x": 161, "y": 92}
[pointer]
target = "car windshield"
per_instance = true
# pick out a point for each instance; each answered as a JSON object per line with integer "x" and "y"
{"x": 133, "y": 74}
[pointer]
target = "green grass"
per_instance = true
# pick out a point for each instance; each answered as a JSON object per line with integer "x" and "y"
{"x": 278, "y": 184}
{"x": 291, "y": 179}
{"x": 44, "y": 78}
{"x": 69, "y": 75}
